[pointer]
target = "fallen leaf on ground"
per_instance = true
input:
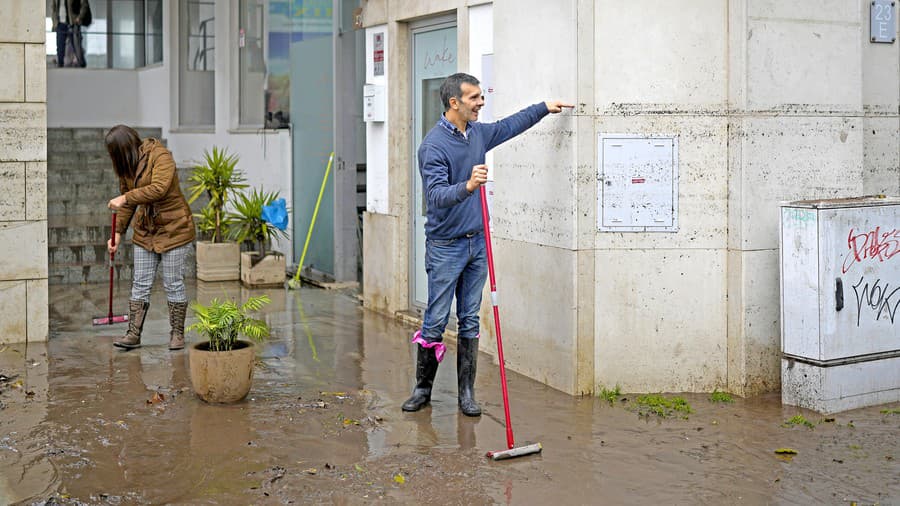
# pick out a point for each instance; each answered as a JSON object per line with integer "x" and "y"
{"x": 399, "y": 479}
{"x": 359, "y": 468}
{"x": 786, "y": 451}
{"x": 156, "y": 398}
{"x": 279, "y": 473}
{"x": 311, "y": 470}
{"x": 18, "y": 384}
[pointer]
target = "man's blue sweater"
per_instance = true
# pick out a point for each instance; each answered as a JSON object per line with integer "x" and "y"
{"x": 446, "y": 158}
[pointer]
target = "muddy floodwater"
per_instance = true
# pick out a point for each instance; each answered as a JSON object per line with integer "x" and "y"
{"x": 84, "y": 423}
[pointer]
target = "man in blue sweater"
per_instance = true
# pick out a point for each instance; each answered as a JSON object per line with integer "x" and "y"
{"x": 451, "y": 163}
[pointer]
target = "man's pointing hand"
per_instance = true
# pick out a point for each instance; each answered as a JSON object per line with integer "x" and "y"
{"x": 556, "y": 106}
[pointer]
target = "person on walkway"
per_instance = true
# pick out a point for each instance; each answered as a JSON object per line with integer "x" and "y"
{"x": 451, "y": 163}
{"x": 68, "y": 17}
{"x": 151, "y": 198}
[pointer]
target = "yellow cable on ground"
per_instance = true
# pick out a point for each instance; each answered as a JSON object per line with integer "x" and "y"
{"x": 312, "y": 224}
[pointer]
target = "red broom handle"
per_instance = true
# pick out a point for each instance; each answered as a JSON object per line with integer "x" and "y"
{"x": 486, "y": 222}
{"x": 111, "y": 266}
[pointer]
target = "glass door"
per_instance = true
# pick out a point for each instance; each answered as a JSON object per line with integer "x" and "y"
{"x": 434, "y": 58}
{"x": 312, "y": 116}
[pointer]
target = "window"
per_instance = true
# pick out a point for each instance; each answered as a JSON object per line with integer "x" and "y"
{"x": 251, "y": 62}
{"x": 196, "y": 65}
{"x": 200, "y": 30}
{"x": 124, "y": 34}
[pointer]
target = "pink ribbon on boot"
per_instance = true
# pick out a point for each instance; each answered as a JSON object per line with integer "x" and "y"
{"x": 439, "y": 347}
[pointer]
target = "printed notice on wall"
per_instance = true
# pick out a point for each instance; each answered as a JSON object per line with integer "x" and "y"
{"x": 378, "y": 53}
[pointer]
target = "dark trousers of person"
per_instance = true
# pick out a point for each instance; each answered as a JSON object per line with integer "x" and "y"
{"x": 65, "y": 32}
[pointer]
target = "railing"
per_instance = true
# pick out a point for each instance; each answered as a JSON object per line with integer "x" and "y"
{"x": 200, "y": 55}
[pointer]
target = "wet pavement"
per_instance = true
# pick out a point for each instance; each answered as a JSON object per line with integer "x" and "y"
{"x": 84, "y": 423}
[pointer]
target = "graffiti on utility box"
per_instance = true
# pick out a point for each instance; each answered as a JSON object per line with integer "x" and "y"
{"x": 871, "y": 245}
{"x": 878, "y": 299}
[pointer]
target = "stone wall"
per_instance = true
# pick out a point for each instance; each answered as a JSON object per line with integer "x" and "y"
{"x": 23, "y": 173}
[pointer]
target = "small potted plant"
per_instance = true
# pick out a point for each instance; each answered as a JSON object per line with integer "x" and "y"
{"x": 222, "y": 365}
{"x": 217, "y": 177}
{"x": 261, "y": 266}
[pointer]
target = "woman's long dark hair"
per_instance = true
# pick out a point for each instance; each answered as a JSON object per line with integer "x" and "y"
{"x": 124, "y": 146}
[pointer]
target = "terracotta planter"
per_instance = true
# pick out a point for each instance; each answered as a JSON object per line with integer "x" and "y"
{"x": 222, "y": 376}
{"x": 218, "y": 261}
{"x": 270, "y": 271}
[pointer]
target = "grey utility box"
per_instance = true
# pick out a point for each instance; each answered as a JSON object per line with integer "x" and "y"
{"x": 840, "y": 294}
{"x": 637, "y": 183}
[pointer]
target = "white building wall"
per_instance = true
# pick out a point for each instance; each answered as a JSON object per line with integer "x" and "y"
{"x": 800, "y": 129}
{"x": 660, "y": 297}
{"x": 535, "y": 205}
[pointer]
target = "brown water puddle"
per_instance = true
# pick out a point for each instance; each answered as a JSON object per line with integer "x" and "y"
{"x": 82, "y": 423}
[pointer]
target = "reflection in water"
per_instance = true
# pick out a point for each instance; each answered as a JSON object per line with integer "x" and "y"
{"x": 465, "y": 431}
{"x": 322, "y": 424}
{"x": 306, "y": 330}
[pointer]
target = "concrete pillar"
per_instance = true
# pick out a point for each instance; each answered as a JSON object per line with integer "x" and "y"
{"x": 23, "y": 173}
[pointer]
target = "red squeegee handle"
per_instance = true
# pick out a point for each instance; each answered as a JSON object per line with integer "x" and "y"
{"x": 112, "y": 257}
{"x": 486, "y": 222}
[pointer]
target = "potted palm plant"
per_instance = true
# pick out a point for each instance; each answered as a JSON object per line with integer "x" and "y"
{"x": 218, "y": 178}
{"x": 261, "y": 266}
{"x": 222, "y": 365}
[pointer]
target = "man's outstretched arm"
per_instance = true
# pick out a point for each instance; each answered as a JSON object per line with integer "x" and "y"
{"x": 514, "y": 124}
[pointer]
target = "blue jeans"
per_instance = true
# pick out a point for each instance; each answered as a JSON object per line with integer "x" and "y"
{"x": 454, "y": 267}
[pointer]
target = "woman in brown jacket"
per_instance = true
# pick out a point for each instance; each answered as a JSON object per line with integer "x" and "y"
{"x": 163, "y": 228}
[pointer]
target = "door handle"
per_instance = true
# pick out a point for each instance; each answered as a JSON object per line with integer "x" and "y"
{"x": 838, "y": 294}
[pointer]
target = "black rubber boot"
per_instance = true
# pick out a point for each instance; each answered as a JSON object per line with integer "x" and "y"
{"x": 466, "y": 362}
{"x": 426, "y": 369}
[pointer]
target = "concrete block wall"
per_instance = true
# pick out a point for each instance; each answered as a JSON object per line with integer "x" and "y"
{"x": 23, "y": 173}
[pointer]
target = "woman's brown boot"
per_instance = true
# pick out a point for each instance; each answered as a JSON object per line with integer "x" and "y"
{"x": 177, "y": 312}
{"x": 137, "y": 311}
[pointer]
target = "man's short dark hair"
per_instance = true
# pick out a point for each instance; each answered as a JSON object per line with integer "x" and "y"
{"x": 452, "y": 87}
